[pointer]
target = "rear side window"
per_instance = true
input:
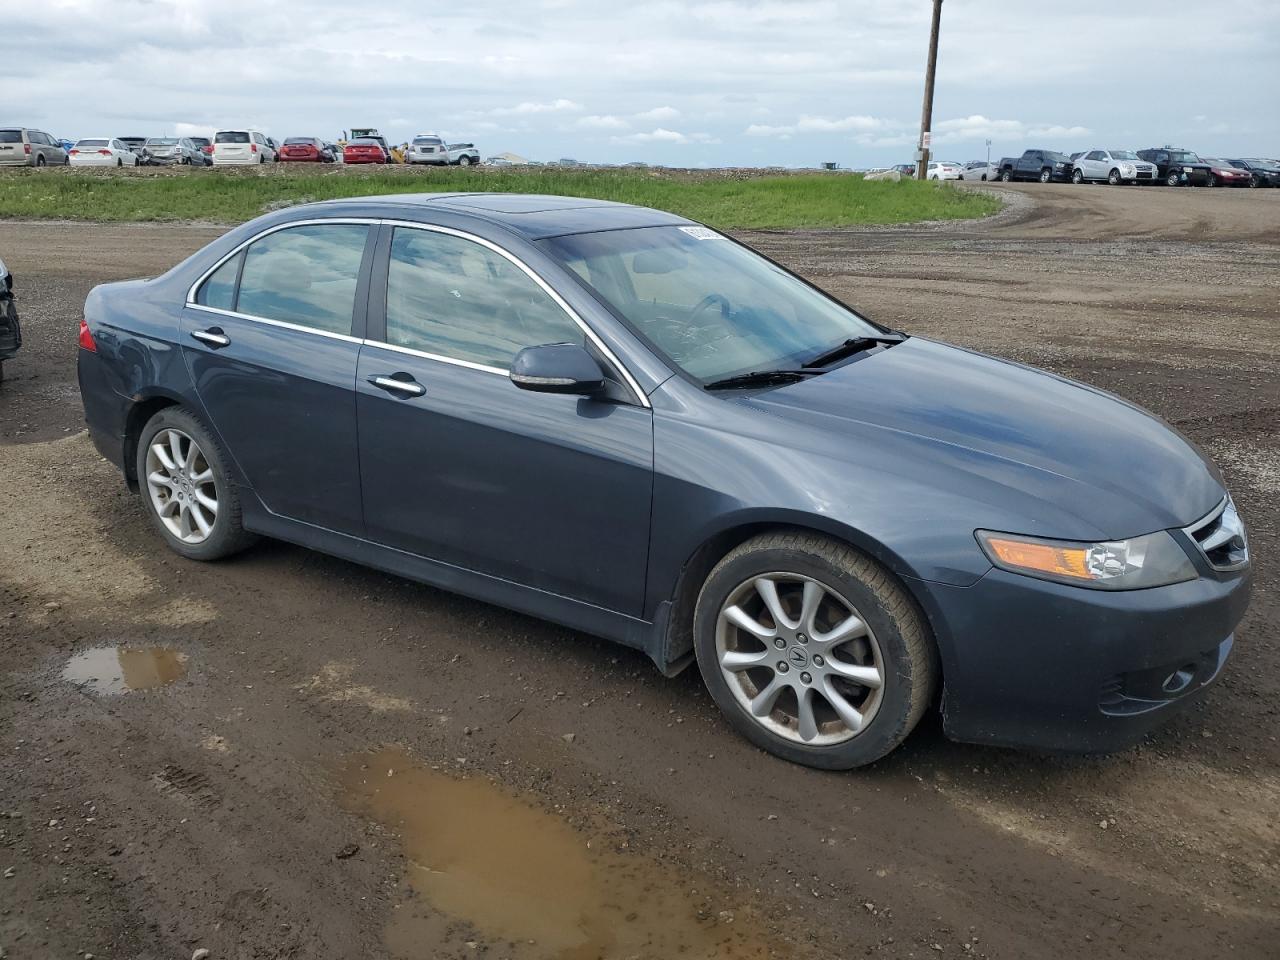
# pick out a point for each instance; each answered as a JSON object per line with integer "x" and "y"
{"x": 305, "y": 275}
{"x": 231, "y": 136}
{"x": 220, "y": 289}
{"x": 10, "y": 136}
{"x": 458, "y": 299}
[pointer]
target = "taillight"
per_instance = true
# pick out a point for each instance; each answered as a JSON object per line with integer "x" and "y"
{"x": 72, "y": 152}
{"x": 26, "y": 148}
{"x": 86, "y": 338}
{"x": 105, "y": 153}
{"x": 253, "y": 148}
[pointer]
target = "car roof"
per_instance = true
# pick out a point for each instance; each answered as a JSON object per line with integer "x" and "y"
{"x": 532, "y": 216}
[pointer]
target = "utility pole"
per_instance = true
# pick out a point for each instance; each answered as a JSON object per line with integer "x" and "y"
{"x": 926, "y": 115}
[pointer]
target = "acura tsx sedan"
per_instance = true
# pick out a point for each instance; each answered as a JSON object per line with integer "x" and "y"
{"x": 627, "y": 423}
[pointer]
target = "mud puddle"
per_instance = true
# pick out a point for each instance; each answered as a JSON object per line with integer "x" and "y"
{"x": 485, "y": 866}
{"x": 112, "y": 670}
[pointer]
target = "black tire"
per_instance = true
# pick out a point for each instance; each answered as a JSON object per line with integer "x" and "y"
{"x": 1253, "y": 182}
{"x": 227, "y": 536}
{"x": 464, "y": 161}
{"x": 1113, "y": 178}
{"x": 1211, "y": 181}
{"x": 119, "y": 162}
{"x": 1006, "y": 176}
{"x": 1172, "y": 178}
{"x": 40, "y": 160}
{"x": 911, "y": 671}
{"x": 1076, "y": 176}
{"x": 1046, "y": 175}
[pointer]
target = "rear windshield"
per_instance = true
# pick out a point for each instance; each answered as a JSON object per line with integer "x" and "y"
{"x": 10, "y": 136}
{"x": 304, "y": 140}
{"x": 91, "y": 143}
{"x": 231, "y": 136}
{"x": 365, "y": 142}
{"x": 162, "y": 141}
{"x": 427, "y": 141}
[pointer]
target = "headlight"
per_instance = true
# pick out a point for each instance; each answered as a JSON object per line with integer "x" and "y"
{"x": 1150, "y": 561}
{"x": 1128, "y": 168}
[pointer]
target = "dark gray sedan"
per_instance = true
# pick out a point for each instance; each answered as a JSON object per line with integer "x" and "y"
{"x": 174, "y": 151}
{"x": 628, "y": 423}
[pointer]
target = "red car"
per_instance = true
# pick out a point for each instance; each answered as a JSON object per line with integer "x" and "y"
{"x": 305, "y": 150}
{"x": 1223, "y": 174}
{"x": 365, "y": 150}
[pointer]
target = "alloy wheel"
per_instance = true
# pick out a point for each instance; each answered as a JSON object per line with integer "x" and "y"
{"x": 180, "y": 485}
{"x": 799, "y": 659}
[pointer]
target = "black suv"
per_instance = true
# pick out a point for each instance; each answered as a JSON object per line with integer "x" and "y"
{"x": 1176, "y": 166}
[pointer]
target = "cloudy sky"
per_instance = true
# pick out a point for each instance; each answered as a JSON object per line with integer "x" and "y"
{"x": 717, "y": 82}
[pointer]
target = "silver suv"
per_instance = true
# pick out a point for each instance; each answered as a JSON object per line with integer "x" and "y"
{"x": 427, "y": 149}
{"x": 1113, "y": 166}
{"x": 463, "y": 154}
{"x": 25, "y": 147}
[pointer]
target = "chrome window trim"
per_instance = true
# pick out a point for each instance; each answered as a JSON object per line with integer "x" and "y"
{"x": 283, "y": 324}
{"x": 630, "y": 381}
{"x": 590, "y": 334}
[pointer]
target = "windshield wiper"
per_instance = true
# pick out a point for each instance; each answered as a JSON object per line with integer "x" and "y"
{"x": 760, "y": 378}
{"x": 850, "y": 347}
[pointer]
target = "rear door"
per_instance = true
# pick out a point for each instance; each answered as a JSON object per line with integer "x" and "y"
{"x": 460, "y": 465}
{"x": 272, "y": 341}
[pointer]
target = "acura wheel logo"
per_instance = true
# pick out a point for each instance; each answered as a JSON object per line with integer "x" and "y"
{"x": 799, "y": 657}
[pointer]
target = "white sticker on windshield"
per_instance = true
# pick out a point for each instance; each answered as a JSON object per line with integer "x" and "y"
{"x": 701, "y": 233}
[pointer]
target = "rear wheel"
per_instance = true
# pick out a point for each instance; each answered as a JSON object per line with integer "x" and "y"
{"x": 813, "y": 651}
{"x": 1212, "y": 181}
{"x": 187, "y": 489}
{"x": 40, "y": 160}
{"x": 119, "y": 162}
{"x": 1253, "y": 181}
{"x": 464, "y": 161}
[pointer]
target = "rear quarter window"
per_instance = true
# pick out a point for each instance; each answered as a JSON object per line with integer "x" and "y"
{"x": 219, "y": 290}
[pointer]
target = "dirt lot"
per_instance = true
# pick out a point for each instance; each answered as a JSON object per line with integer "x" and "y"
{"x": 236, "y": 808}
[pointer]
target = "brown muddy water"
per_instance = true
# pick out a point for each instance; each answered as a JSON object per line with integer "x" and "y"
{"x": 111, "y": 670}
{"x": 485, "y": 867}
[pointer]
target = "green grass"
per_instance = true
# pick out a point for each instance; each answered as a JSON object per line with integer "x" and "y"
{"x": 724, "y": 199}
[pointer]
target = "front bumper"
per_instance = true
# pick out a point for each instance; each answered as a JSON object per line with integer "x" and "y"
{"x": 1029, "y": 663}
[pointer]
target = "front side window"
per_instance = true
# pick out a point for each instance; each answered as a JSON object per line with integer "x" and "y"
{"x": 712, "y": 307}
{"x": 458, "y": 299}
{"x": 304, "y": 275}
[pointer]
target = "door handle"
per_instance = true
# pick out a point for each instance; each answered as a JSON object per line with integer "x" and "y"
{"x": 213, "y": 336}
{"x": 410, "y": 388}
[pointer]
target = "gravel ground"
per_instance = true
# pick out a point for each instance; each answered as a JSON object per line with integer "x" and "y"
{"x": 210, "y": 813}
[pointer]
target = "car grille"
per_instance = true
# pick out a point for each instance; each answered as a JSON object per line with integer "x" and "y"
{"x": 1221, "y": 537}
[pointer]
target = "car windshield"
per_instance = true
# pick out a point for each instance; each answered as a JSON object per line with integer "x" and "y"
{"x": 1263, "y": 165}
{"x": 296, "y": 140}
{"x": 1122, "y": 155}
{"x": 365, "y": 142}
{"x": 713, "y": 307}
{"x": 1183, "y": 156}
{"x": 1057, "y": 157}
{"x": 162, "y": 141}
{"x": 231, "y": 136}
{"x": 427, "y": 141}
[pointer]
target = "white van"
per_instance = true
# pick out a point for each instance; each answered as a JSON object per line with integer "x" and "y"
{"x": 241, "y": 147}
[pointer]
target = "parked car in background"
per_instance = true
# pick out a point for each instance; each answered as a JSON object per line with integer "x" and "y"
{"x": 944, "y": 170}
{"x": 10, "y": 330}
{"x": 366, "y": 150}
{"x": 28, "y": 147}
{"x": 498, "y": 162}
{"x": 66, "y": 144}
{"x": 240, "y": 147}
{"x": 1112, "y": 166}
{"x": 1262, "y": 173}
{"x": 205, "y": 146}
{"x": 700, "y": 455}
{"x": 1223, "y": 174}
{"x": 427, "y": 148}
{"x": 463, "y": 154}
{"x": 1176, "y": 167}
{"x": 980, "y": 170}
{"x": 102, "y": 152}
{"x": 1042, "y": 165}
{"x": 335, "y": 151}
{"x": 173, "y": 151}
{"x": 275, "y": 148}
{"x": 139, "y": 147}
{"x": 906, "y": 169}
{"x": 305, "y": 150}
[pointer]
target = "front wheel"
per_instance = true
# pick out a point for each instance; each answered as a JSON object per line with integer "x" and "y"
{"x": 1046, "y": 175}
{"x": 1007, "y": 176}
{"x": 1077, "y": 177}
{"x": 187, "y": 488}
{"x": 1172, "y": 179}
{"x": 1113, "y": 178}
{"x": 813, "y": 651}
{"x": 1212, "y": 181}
{"x": 464, "y": 161}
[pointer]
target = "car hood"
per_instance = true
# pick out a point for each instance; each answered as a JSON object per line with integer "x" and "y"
{"x": 1102, "y": 467}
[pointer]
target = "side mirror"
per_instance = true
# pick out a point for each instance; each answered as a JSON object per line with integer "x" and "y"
{"x": 557, "y": 368}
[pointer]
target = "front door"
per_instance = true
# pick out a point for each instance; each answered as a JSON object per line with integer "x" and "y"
{"x": 270, "y": 348}
{"x": 461, "y": 466}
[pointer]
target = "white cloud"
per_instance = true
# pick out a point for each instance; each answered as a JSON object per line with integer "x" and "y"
{"x": 823, "y": 125}
{"x": 663, "y": 135}
{"x": 598, "y": 122}
{"x": 658, "y": 114}
{"x": 768, "y": 130}
{"x": 555, "y": 106}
